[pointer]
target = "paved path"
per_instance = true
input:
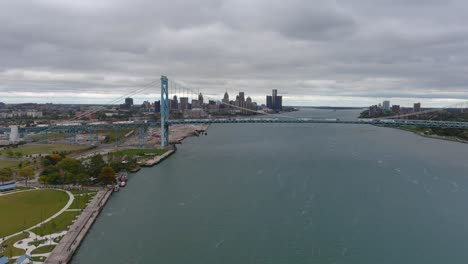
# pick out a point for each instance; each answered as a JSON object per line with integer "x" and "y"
{"x": 64, "y": 251}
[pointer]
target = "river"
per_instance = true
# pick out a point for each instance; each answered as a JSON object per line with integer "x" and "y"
{"x": 292, "y": 193}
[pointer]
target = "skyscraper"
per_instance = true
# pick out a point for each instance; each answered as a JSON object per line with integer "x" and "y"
{"x": 386, "y": 105}
{"x": 274, "y": 101}
{"x": 128, "y": 102}
{"x": 174, "y": 103}
{"x": 184, "y": 104}
{"x": 417, "y": 107}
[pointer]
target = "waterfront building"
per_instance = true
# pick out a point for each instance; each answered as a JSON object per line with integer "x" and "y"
{"x": 274, "y": 101}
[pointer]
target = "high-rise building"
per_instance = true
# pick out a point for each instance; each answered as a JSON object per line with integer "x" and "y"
{"x": 174, "y": 103}
{"x": 386, "y": 105}
{"x": 157, "y": 106}
{"x": 184, "y": 104}
{"x": 241, "y": 97}
{"x": 129, "y": 102}
{"x": 417, "y": 107}
{"x": 274, "y": 101}
{"x": 226, "y": 98}
{"x": 200, "y": 99}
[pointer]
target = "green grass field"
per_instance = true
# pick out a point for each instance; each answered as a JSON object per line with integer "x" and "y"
{"x": 8, "y": 164}
{"x": 12, "y": 251}
{"x": 58, "y": 224}
{"x": 29, "y": 149}
{"x": 25, "y": 209}
{"x": 81, "y": 201}
{"x": 43, "y": 249}
{"x": 142, "y": 152}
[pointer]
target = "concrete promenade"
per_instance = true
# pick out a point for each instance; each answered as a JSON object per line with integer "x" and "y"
{"x": 64, "y": 251}
{"x": 157, "y": 159}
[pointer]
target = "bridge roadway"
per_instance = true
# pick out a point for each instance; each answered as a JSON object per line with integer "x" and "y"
{"x": 83, "y": 127}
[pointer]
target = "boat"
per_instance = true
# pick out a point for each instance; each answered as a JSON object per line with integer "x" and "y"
{"x": 123, "y": 184}
{"x": 123, "y": 176}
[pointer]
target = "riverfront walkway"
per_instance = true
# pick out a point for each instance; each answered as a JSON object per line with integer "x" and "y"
{"x": 64, "y": 251}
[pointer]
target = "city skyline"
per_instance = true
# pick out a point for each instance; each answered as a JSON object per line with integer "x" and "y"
{"x": 413, "y": 52}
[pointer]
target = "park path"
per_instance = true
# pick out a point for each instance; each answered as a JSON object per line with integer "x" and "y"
{"x": 70, "y": 201}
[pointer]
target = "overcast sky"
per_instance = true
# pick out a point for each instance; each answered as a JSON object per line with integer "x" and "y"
{"x": 342, "y": 52}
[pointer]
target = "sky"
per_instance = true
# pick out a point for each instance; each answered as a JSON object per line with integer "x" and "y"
{"x": 314, "y": 52}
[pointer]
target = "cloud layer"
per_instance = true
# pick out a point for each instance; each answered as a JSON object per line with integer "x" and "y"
{"x": 314, "y": 52}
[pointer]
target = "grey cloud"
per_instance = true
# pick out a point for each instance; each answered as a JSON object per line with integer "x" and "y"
{"x": 361, "y": 48}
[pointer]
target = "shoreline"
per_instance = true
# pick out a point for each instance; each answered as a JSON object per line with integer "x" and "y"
{"x": 456, "y": 140}
{"x": 65, "y": 250}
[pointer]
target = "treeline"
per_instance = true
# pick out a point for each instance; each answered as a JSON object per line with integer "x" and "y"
{"x": 60, "y": 170}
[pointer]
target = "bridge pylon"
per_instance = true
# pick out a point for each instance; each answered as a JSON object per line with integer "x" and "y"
{"x": 164, "y": 112}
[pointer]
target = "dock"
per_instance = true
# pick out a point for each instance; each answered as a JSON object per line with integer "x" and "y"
{"x": 64, "y": 251}
{"x": 157, "y": 159}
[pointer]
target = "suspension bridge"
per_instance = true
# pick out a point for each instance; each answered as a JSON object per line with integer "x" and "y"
{"x": 165, "y": 122}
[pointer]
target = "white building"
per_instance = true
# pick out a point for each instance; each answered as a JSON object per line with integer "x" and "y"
{"x": 14, "y": 135}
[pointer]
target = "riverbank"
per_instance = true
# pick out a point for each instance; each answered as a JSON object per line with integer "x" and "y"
{"x": 64, "y": 251}
{"x": 433, "y": 136}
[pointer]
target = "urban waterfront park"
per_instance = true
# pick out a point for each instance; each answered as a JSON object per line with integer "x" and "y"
{"x": 36, "y": 219}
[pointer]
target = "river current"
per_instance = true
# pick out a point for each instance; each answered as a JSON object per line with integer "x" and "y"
{"x": 292, "y": 193}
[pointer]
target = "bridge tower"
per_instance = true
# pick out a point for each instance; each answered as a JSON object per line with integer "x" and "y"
{"x": 164, "y": 112}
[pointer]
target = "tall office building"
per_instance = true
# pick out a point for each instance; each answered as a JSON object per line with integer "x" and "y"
{"x": 417, "y": 107}
{"x": 241, "y": 97}
{"x": 226, "y": 98}
{"x": 200, "y": 99}
{"x": 386, "y": 105}
{"x": 14, "y": 134}
{"x": 174, "y": 103}
{"x": 157, "y": 106}
{"x": 129, "y": 102}
{"x": 184, "y": 104}
{"x": 274, "y": 101}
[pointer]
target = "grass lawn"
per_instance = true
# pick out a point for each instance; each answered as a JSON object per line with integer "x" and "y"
{"x": 81, "y": 201}
{"x": 8, "y": 163}
{"x": 12, "y": 251}
{"x": 29, "y": 149}
{"x": 142, "y": 152}
{"x": 26, "y": 209}
{"x": 43, "y": 249}
{"x": 60, "y": 223}
{"x": 75, "y": 191}
{"x": 38, "y": 259}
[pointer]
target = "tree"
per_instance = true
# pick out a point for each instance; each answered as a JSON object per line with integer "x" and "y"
{"x": 71, "y": 169}
{"x": 26, "y": 174}
{"x": 6, "y": 174}
{"x": 107, "y": 175}
{"x": 95, "y": 165}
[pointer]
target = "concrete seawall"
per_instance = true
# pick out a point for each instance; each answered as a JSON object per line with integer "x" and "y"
{"x": 64, "y": 251}
{"x": 158, "y": 159}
